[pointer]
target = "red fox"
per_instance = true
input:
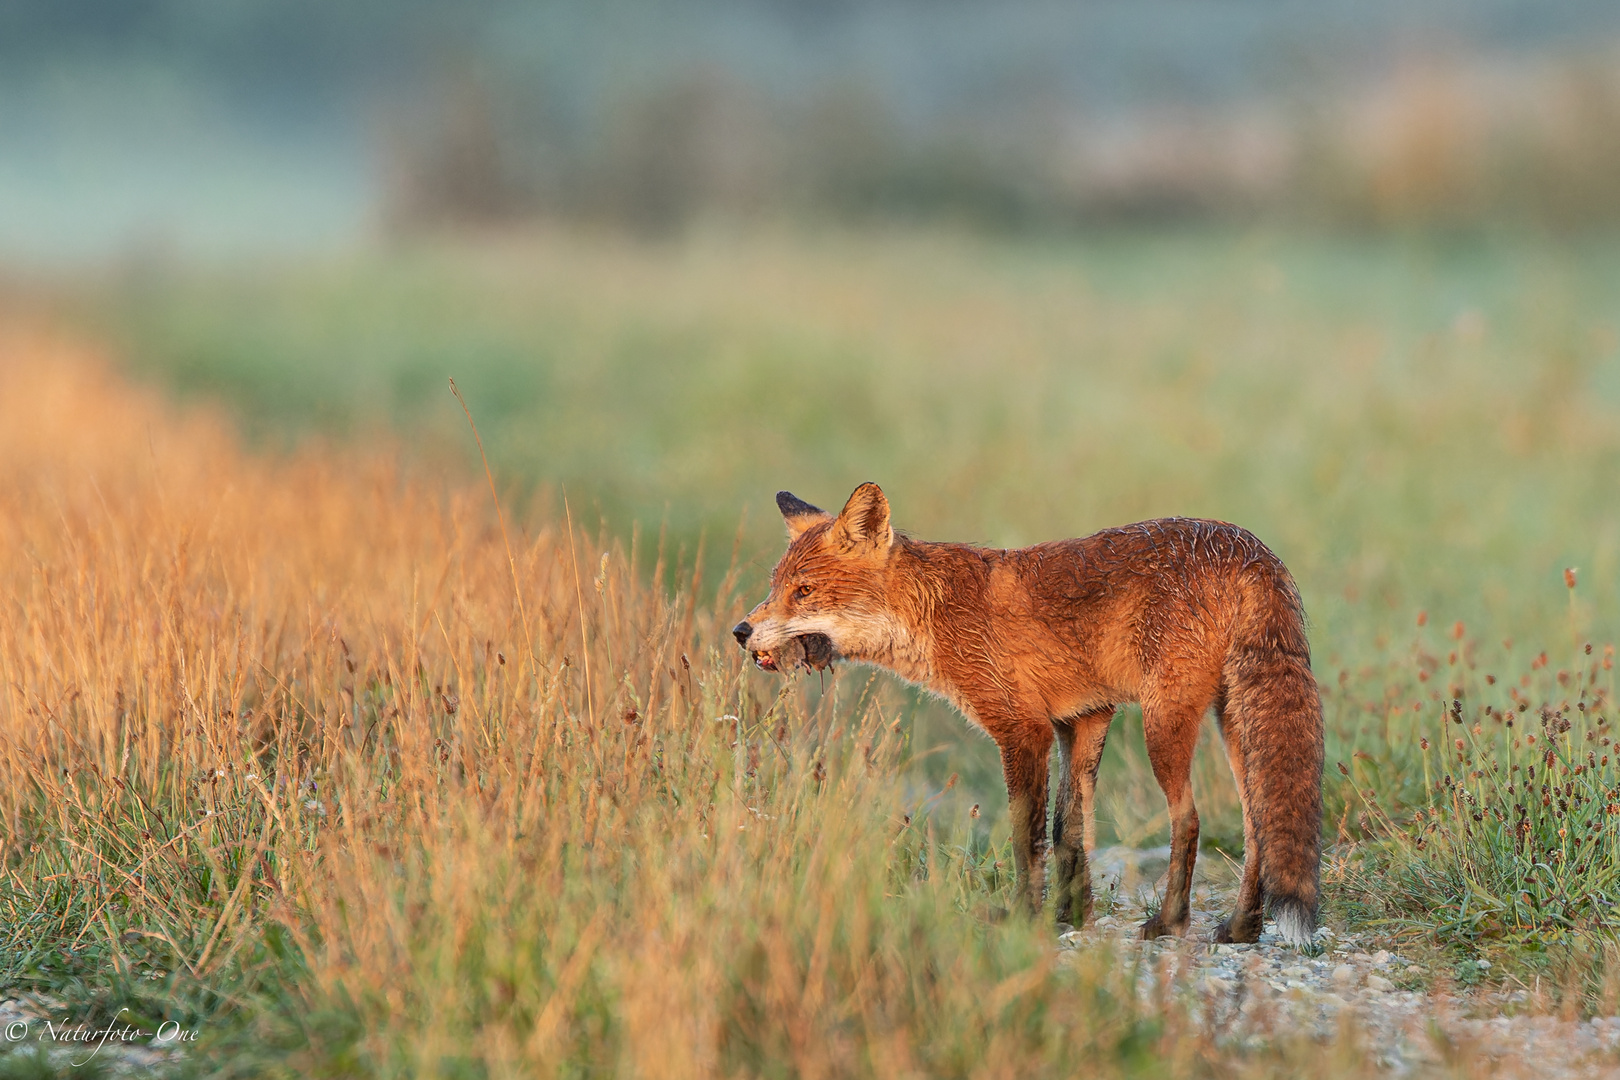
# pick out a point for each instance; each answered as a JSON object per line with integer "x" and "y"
{"x": 1042, "y": 643}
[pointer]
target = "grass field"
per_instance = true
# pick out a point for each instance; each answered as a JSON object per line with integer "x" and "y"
{"x": 1413, "y": 425}
{"x": 302, "y": 746}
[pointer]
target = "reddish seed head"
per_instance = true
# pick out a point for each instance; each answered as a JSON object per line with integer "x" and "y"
{"x": 1569, "y": 576}
{"x": 1457, "y": 630}
{"x": 1423, "y": 618}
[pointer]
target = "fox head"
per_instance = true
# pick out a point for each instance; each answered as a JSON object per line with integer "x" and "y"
{"x": 829, "y": 591}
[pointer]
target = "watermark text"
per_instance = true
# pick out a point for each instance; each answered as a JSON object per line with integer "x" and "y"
{"x": 116, "y": 1032}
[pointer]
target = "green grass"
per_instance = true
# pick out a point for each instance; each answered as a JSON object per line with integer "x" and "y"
{"x": 1426, "y": 430}
{"x": 1412, "y": 423}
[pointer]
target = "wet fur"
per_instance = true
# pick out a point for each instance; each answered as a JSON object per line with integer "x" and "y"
{"x": 1039, "y": 645}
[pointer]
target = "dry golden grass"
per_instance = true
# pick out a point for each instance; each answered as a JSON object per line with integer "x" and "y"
{"x": 284, "y": 754}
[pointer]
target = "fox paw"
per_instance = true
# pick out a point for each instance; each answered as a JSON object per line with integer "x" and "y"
{"x": 1237, "y": 931}
{"x": 1156, "y": 927}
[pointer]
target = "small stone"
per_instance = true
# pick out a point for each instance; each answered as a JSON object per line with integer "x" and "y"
{"x": 1381, "y": 957}
{"x": 1295, "y": 984}
{"x": 1345, "y": 975}
{"x": 1379, "y": 983}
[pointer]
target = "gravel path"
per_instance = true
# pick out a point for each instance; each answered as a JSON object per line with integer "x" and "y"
{"x": 1251, "y": 993}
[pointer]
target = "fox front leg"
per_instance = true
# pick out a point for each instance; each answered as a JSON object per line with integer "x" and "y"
{"x": 1024, "y": 763}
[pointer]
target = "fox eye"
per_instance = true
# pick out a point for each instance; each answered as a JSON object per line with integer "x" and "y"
{"x": 803, "y": 591}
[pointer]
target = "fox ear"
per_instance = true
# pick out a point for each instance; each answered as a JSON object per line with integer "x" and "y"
{"x": 863, "y": 524}
{"x": 798, "y": 514}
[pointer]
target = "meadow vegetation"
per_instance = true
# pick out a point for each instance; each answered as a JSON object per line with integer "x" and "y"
{"x": 307, "y": 756}
{"x": 304, "y": 743}
{"x": 1412, "y": 424}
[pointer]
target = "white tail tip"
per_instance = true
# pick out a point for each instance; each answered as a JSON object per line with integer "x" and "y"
{"x": 1295, "y": 925}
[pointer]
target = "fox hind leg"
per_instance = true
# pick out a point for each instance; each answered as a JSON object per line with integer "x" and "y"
{"x": 1074, "y": 827}
{"x": 1248, "y": 915}
{"x": 1172, "y": 733}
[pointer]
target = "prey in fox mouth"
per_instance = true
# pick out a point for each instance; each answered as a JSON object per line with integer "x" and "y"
{"x": 813, "y": 652}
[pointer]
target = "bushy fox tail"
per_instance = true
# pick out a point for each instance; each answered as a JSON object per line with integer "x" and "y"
{"x": 1273, "y": 705}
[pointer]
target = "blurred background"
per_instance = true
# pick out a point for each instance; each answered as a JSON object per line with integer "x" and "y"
{"x": 198, "y": 127}
{"x": 1347, "y": 273}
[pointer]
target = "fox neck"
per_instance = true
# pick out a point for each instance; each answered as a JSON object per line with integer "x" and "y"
{"x": 889, "y": 641}
{"x": 901, "y": 637}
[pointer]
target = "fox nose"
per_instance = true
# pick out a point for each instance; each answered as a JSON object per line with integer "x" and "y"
{"x": 741, "y": 632}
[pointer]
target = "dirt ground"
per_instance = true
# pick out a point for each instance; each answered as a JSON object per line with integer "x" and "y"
{"x": 1257, "y": 992}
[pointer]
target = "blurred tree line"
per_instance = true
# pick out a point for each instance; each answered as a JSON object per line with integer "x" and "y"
{"x": 651, "y": 113}
{"x": 1441, "y": 142}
